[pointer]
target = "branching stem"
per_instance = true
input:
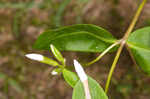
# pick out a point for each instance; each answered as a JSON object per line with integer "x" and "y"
{"x": 103, "y": 53}
{"x": 113, "y": 67}
{"x": 125, "y": 37}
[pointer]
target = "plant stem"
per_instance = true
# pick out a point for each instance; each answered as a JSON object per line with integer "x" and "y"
{"x": 113, "y": 67}
{"x": 103, "y": 53}
{"x": 130, "y": 53}
{"x": 125, "y": 37}
{"x": 61, "y": 66}
{"x": 138, "y": 12}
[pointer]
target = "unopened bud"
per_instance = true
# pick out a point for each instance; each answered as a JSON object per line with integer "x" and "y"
{"x": 80, "y": 71}
{"x": 37, "y": 57}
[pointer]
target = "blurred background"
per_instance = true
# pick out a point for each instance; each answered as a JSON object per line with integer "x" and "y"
{"x": 22, "y": 21}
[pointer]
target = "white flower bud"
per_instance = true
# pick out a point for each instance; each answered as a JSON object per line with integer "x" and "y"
{"x": 80, "y": 71}
{"x": 37, "y": 57}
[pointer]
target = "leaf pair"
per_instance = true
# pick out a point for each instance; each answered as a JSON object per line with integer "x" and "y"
{"x": 91, "y": 38}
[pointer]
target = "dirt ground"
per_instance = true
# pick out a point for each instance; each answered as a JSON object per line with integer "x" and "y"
{"x": 22, "y": 21}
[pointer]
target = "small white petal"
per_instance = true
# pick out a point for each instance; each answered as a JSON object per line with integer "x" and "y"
{"x": 54, "y": 73}
{"x": 80, "y": 71}
{"x": 37, "y": 57}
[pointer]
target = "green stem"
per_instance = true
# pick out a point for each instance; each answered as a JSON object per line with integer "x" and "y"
{"x": 113, "y": 67}
{"x": 61, "y": 66}
{"x": 125, "y": 37}
{"x": 103, "y": 53}
{"x": 132, "y": 25}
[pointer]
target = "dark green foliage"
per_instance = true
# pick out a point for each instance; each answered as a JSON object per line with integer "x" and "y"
{"x": 81, "y": 37}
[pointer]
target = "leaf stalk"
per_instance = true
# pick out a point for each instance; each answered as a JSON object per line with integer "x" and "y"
{"x": 103, "y": 53}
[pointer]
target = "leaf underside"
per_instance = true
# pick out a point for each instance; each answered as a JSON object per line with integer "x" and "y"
{"x": 139, "y": 42}
{"x": 80, "y": 37}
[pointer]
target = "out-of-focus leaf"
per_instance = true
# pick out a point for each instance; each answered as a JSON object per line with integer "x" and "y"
{"x": 15, "y": 85}
{"x": 125, "y": 89}
{"x": 3, "y": 76}
{"x": 80, "y": 37}
{"x": 16, "y": 23}
{"x": 60, "y": 11}
{"x": 139, "y": 42}
{"x": 21, "y": 5}
{"x": 95, "y": 89}
{"x": 70, "y": 77}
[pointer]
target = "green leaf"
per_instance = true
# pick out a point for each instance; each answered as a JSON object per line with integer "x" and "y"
{"x": 96, "y": 90}
{"x": 80, "y": 37}
{"x": 139, "y": 42}
{"x": 70, "y": 77}
{"x": 57, "y": 54}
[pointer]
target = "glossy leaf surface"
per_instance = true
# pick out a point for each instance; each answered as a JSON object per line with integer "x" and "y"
{"x": 96, "y": 91}
{"x": 80, "y": 37}
{"x": 70, "y": 77}
{"x": 139, "y": 42}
